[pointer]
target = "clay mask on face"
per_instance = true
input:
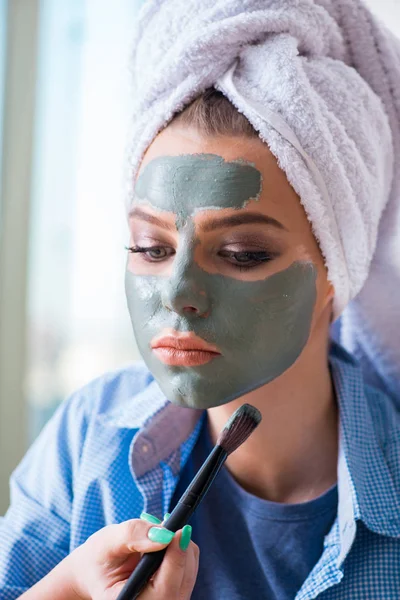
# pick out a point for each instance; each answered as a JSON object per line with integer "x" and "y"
{"x": 259, "y": 327}
{"x": 192, "y": 182}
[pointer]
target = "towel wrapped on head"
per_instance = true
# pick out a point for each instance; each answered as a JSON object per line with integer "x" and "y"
{"x": 320, "y": 82}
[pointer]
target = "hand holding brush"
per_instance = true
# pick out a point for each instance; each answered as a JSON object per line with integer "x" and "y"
{"x": 111, "y": 556}
{"x": 238, "y": 428}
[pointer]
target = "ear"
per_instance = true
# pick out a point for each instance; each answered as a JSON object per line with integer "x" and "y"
{"x": 330, "y": 292}
{"x": 328, "y": 299}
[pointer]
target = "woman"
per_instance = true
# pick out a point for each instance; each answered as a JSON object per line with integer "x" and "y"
{"x": 233, "y": 279}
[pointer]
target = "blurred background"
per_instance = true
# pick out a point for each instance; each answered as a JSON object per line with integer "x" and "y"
{"x": 64, "y": 115}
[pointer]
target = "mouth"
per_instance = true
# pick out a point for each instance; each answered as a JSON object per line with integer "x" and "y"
{"x": 183, "y": 349}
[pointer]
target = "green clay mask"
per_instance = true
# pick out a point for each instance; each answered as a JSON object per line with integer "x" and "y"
{"x": 189, "y": 183}
{"x": 260, "y": 327}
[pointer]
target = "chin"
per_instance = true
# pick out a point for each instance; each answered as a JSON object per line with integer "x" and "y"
{"x": 194, "y": 399}
{"x": 187, "y": 399}
{"x": 184, "y": 402}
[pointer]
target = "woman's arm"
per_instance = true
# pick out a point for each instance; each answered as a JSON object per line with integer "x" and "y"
{"x": 35, "y": 532}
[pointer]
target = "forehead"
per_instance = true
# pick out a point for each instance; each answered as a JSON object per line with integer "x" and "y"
{"x": 192, "y": 182}
{"x": 176, "y": 141}
{"x": 277, "y": 198}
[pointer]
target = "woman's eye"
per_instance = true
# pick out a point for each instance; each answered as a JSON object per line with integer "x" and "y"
{"x": 247, "y": 259}
{"x": 153, "y": 253}
{"x": 242, "y": 259}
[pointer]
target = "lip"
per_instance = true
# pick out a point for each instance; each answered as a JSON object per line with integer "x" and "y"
{"x": 183, "y": 349}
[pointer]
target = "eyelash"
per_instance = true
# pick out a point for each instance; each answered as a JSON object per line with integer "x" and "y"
{"x": 257, "y": 257}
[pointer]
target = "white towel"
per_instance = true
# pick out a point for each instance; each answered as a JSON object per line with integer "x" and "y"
{"x": 320, "y": 81}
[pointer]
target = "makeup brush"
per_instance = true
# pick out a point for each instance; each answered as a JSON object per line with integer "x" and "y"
{"x": 237, "y": 429}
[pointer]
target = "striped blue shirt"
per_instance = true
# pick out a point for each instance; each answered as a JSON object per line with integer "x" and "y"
{"x": 117, "y": 446}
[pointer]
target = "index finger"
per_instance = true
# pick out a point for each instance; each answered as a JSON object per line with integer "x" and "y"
{"x": 123, "y": 539}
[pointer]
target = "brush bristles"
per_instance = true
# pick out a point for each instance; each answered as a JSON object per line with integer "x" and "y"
{"x": 241, "y": 424}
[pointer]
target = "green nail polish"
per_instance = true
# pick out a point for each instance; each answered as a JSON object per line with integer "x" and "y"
{"x": 160, "y": 535}
{"x": 185, "y": 537}
{"x": 147, "y": 517}
{"x": 167, "y": 516}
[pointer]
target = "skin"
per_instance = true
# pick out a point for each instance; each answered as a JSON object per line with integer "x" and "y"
{"x": 292, "y": 455}
{"x": 193, "y": 182}
{"x": 270, "y": 315}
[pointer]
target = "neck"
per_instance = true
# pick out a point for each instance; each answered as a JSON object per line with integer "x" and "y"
{"x": 292, "y": 455}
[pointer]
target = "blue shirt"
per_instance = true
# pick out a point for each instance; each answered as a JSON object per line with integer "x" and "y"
{"x": 117, "y": 447}
{"x": 250, "y": 547}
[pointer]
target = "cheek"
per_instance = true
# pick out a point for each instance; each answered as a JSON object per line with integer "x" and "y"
{"x": 142, "y": 294}
{"x": 284, "y": 299}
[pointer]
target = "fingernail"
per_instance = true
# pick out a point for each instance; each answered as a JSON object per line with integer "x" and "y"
{"x": 150, "y": 518}
{"x": 160, "y": 535}
{"x": 167, "y": 516}
{"x": 185, "y": 537}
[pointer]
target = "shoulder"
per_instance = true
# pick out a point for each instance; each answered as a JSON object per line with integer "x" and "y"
{"x": 375, "y": 406}
{"x": 67, "y": 430}
{"x": 385, "y": 412}
{"x": 59, "y": 447}
{"x": 109, "y": 391}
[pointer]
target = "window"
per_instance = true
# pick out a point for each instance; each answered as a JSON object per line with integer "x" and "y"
{"x": 63, "y": 257}
{"x": 78, "y": 323}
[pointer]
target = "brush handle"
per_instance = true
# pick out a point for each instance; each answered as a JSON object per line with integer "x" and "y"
{"x": 148, "y": 565}
{"x": 198, "y": 488}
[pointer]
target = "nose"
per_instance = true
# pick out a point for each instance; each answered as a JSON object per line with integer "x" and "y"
{"x": 184, "y": 292}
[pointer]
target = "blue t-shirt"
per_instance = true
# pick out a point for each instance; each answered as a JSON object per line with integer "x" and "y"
{"x": 250, "y": 547}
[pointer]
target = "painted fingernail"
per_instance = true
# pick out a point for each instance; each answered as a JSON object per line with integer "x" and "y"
{"x": 167, "y": 516}
{"x": 150, "y": 518}
{"x": 185, "y": 537}
{"x": 160, "y": 535}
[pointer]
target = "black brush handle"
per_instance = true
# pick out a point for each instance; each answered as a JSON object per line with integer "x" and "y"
{"x": 198, "y": 488}
{"x": 148, "y": 565}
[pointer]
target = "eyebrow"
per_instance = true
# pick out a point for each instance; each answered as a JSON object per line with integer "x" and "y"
{"x": 138, "y": 213}
{"x": 230, "y": 221}
{"x": 241, "y": 219}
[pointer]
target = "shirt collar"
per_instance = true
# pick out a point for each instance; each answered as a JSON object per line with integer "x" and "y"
{"x": 134, "y": 411}
{"x": 162, "y": 427}
{"x": 366, "y": 486}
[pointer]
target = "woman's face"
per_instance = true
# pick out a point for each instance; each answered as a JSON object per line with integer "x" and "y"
{"x": 225, "y": 282}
